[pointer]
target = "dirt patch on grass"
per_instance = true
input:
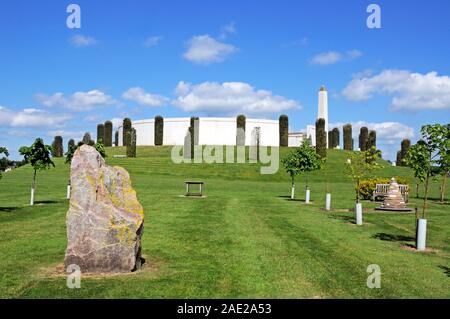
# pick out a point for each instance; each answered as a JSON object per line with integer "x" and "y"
{"x": 151, "y": 268}
{"x": 427, "y": 250}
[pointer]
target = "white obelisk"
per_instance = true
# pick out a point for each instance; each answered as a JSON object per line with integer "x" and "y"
{"x": 323, "y": 108}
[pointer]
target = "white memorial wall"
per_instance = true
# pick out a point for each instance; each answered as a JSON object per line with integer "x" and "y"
{"x": 212, "y": 131}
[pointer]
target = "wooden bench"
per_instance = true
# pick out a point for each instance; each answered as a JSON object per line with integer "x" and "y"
{"x": 381, "y": 190}
{"x": 188, "y": 191}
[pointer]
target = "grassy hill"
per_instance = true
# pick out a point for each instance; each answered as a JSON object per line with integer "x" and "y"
{"x": 246, "y": 239}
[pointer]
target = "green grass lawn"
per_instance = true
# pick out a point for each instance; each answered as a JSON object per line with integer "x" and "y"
{"x": 245, "y": 240}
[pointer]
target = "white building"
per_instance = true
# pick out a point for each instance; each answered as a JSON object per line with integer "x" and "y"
{"x": 223, "y": 130}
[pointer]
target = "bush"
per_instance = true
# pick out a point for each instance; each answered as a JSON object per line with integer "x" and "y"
{"x": 284, "y": 130}
{"x": 321, "y": 138}
{"x": 372, "y": 140}
{"x": 240, "y": 135}
{"x": 348, "y": 141}
{"x": 57, "y": 147}
{"x": 126, "y": 132}
{"x": 116, "y": 138}
{"x": 108, "y": 134}
{"x": 159, "y": 130}
{"x": 131, "y": 147}
{"x": 363, "y": 138}
{"x": 100, "y": 133}
{"x": 367, "y": 186}
{"x": 335, "y": 137}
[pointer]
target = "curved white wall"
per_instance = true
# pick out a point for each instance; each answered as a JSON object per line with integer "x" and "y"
{"x": 212, "y": 131}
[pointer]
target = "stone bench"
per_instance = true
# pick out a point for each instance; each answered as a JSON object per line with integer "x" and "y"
{"x": 381, "y": 190}
{"x": 188, "y": 191}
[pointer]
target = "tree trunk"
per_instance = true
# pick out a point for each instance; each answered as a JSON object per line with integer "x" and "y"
{"x": 417, "y": 190}
{"x": 33, "y": 188}
{"x": 293, "y": 189}
{"x": 425, "y": 197}
{"x": 444, "y": 179}
{"x": 357, "y": 190}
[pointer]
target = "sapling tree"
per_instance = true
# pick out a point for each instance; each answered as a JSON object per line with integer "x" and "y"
{"x": 4, "y": 151}
{"x": 360, "y": 164}
{"x": 429, "y": 156}
{"x": 302, "y": 159}
{"x": 39, "y": 156}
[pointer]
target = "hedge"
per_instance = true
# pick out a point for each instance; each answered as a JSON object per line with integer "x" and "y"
{"x": 100, "y": 133}
{"x": 284, "y": 130}
{"x": 126, "y": 129}
{"x": 240, "y": 132}
{"x": 57, "y": 147}
{"x": 367, "y": 186}
{"x": 348, "y": 141}
{"x": 321, "y": 138}
{"x": 159, "y": 130}
{"x": 131, "y": 147}
{"x": 363, "y": 136}
{"x": 335, "y": 137}
{"x": 108, "y": 134}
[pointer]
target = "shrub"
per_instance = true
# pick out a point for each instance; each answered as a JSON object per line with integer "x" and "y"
{"x": 321, "y": 138}
{"x": 100, "y": 133}
{"x": 330, "y": 140}
{"x": 284, "y": 130}
{"x": 405, "y": 146}
{"x": 348, "y": 141}
{"x": 159, "y": 130}
{"x": 116, "y": 138}
{"x": 195, "y": 125}
{"x": 108, "y": 134}
{"x": 57, "y": 147}
{"x": 131, "y": 147}
{"x": 70, "y": 144}
{"x": 372, "y": 139}
{"x": 367, "y": 186}
{"x": 335, "y": 137}
{"x": 87, "y": 139}
{"x": 363, "y": 136}
{"x": 240, "y": 133}
{"x": 126, "y": 131}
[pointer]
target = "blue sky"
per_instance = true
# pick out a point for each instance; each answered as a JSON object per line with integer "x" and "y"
{"x": 261, "y": 58}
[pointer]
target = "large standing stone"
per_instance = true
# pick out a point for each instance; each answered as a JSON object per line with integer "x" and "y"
{"x": 105, "y": 221}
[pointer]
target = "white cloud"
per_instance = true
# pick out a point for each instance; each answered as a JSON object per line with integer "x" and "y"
{"x": 409, "y": 91}
{"x": 152, "y": 41}
{"x": 332, "y": 57}
{"x": 203, "y": 49}
{"x": 31, "y": 117}
{"x": 78, "y": 101}
{"x": 229, "y": 98}
{"x": 76, "y": 135}
{"x": 141, "y": 97}
{"x": 80, "y": 40}
{"x": 227, "y": 29}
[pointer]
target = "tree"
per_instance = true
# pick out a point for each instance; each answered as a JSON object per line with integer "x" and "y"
{"x": 363, "y": 137}
{"x": 126, "y": 131}
{"x": 429, "y": 157}
{"x": 284, "y": 130}
{"x": 335, "y": 137}
{"x": 70, "y": 143}
{"x": 101, "y": 133}
{"x": 359, "y": 165}
{"x": 240, "y": 125}
{"x": 348, "y": 141}
{"x": 4, "y": 151}
{"x": 57, "y": 147}
{"x": 321, "y": 138}
{"x": 131, "y": 147}
{"x": 87, "y": 139}
{"x": 302, "y": 159}
{"x": 159, "y": 130}
{"x": 372, "y": 140}
{"x": 108, "y": 134}
{"x": 38, "y": 155}
{"x": 116, "y": 138}
{"x": 405, "y": 145}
